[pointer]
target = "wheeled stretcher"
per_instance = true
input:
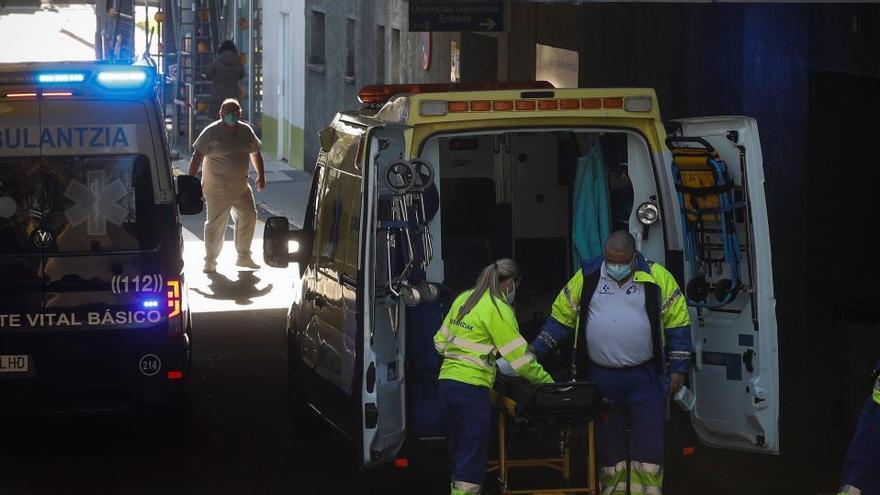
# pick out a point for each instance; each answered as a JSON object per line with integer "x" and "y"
{"x": 708, "y": 213}
{"x": 563, "y": 411}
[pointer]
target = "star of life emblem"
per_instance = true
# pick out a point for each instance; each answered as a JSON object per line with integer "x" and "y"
{"x": 96, "y": 202}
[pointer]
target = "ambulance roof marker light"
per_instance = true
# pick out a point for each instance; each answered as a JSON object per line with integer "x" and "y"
{"x": 433, "y": 108}
{"x": 637, "y": 104}
{"x": 377, "y": 94}
{"x": 21, "y": 95}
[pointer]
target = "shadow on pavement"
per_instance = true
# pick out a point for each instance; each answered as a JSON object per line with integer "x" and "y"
{"x": 242, "y": 290}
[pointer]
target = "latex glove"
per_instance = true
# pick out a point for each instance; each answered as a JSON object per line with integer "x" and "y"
{"x": 505, "y": 367}
{"x": 676, "y": 380}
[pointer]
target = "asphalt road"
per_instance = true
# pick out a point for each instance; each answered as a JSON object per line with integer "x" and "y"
{"x": 240, "y": 440}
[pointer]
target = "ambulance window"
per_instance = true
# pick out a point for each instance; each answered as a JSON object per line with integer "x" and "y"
{"x": 88, "y": 203}
{"x": 338, "y": 221}
{"x": 327, "y": 216}
{"x": 19, "y": 193}
{"x": 350, "y": 225}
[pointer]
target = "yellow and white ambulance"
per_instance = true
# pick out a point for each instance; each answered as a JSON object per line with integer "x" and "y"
{"x": 417, "y": 192}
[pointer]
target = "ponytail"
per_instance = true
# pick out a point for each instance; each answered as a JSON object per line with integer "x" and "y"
{"x": 490, "y": 279}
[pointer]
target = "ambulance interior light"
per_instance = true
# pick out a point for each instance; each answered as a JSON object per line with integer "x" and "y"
{"x": 648, "y": 213}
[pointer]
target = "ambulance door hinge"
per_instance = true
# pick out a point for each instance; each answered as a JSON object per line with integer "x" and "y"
{"x": 371, "y": 415}
{"x": 165, "y": 197}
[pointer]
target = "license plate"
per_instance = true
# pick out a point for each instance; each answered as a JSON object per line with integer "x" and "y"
{"x": 10, "y": 363}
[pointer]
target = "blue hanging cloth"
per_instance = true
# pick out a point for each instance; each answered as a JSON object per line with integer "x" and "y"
{"x": 591, "y": 218}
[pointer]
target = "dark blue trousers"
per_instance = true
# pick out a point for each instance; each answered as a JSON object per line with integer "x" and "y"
{"x": 470, "y": 420}
{"x": 861, "y": 468}
{"x": 634, "y": 428}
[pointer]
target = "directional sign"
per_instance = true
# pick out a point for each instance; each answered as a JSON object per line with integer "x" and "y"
{"x": 463, "y": 15}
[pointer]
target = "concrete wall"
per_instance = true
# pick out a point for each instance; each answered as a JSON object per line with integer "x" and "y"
{"x": 321, "y": 90}
{"x": 283, "y": 119}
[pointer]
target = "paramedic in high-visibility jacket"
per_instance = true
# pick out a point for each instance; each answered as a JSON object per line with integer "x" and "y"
{"x": 480, "y": 324}
{"x": 861, "y": 467}
{"x": 630, "y": 326}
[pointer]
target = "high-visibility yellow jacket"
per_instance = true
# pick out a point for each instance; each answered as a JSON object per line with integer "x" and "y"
{"x": 469, "y": 345}
{"x": 664, "y": 303}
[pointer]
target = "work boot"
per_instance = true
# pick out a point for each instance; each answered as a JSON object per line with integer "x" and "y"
{"x": 247, "y": 262}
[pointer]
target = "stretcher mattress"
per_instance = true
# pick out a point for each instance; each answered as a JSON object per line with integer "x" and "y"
{"x": 568, "y": 399}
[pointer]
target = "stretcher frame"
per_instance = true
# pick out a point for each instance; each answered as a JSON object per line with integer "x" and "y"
{"x": 508, "y": 407}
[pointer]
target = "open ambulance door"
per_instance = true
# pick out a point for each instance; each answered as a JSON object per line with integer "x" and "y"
{"x": 735, "y": 375}
{"x": 383, "y": 401}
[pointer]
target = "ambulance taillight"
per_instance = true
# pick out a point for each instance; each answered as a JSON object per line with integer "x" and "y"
{"x": 175, "y": 309}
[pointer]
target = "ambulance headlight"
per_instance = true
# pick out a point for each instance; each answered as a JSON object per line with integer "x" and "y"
{"x": 61, "y": 77}
{"x": 122, "y": 79}
{"x": 648, "y": 213}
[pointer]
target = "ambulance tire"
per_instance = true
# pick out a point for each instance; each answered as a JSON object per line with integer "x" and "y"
{"x": 387, "y": 480}
{"x": 173, "y": 421}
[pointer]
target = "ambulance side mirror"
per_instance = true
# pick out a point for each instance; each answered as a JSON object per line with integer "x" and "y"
{"x": 281, "y": 245}
{"x": 189, "y": 195}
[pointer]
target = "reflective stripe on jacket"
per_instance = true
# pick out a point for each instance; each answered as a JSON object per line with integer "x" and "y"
{"x": 469, "y": 345}
{"x": 670, "y": 323}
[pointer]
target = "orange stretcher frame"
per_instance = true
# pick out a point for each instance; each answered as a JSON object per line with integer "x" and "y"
{"x": 507, "y": 407}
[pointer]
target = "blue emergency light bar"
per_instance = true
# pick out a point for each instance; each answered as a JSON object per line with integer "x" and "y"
{"x": 99, "y": 79}
{"x": 152, "y": 303}
{"x": 61, "y": 77}
{"x": 122, "y": 79}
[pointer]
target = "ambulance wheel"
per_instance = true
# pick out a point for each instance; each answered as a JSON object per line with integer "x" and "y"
{"x": 172, "y": 421}
{"x": 423, "y": 176}
{"x": 428, "y": 291}
{"x": 723, "y": 288}
{"x": 697, "y": 289}
{"x": 399, "y": 177}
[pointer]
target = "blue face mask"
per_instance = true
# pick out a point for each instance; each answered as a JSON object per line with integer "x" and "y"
{"x": 230, "y": 119}
{"x": 618, "y": 271}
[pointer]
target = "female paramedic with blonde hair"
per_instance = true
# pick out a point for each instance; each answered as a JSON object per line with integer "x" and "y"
{"x": 480, "y": 323}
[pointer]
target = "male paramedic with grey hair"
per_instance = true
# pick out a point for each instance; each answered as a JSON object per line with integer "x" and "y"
{"x": 227, "y": 147}
{"x": 630, "y": 326}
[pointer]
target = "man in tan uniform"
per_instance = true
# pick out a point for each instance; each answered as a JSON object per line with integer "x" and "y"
{"x": 227, "y": 147}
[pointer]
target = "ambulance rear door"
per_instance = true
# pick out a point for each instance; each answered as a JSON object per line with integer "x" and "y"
{"x": 383, "y": 401}
{"x": 735, "y": 373}
{"x": 109, "y": 265}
